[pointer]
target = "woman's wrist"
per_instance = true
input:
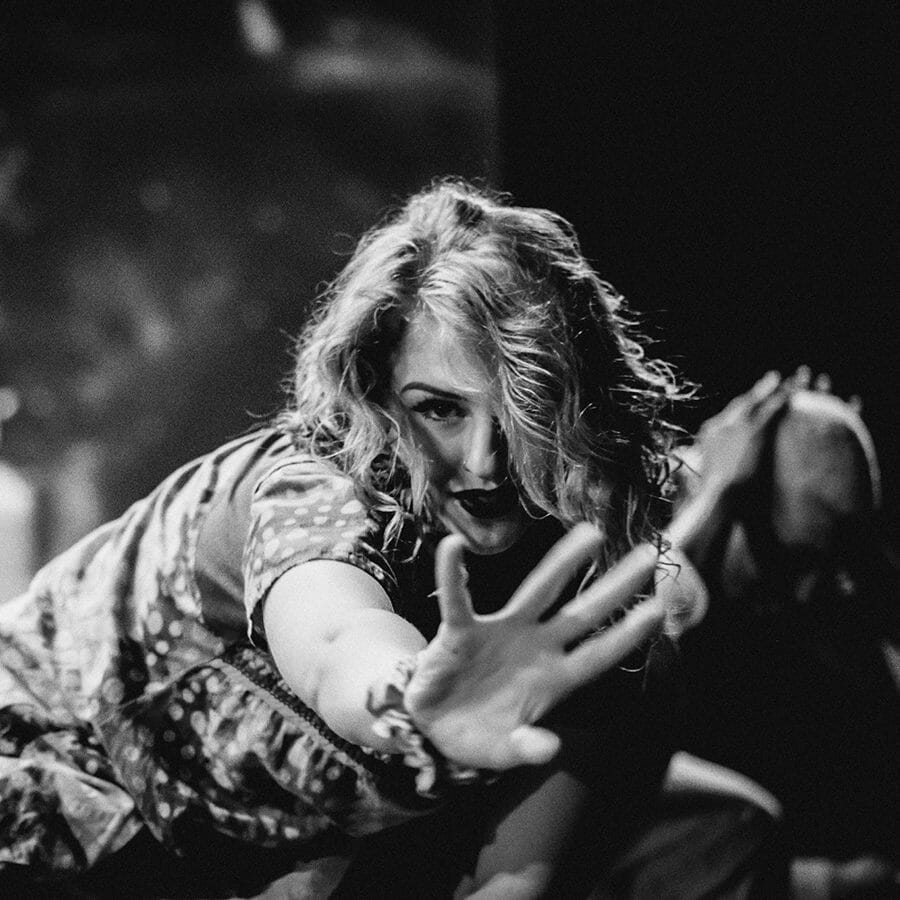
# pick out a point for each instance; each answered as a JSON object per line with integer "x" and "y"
{"x": 435, "y": 773}
{"x": 698, "y": 528}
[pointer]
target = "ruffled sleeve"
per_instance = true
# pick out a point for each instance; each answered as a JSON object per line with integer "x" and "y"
{"x": 302, "y": 511}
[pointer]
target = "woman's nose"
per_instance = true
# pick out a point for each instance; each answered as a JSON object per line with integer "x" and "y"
{"x": 484, "y": 456}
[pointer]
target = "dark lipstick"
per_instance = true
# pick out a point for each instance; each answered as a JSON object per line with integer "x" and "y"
{"x": 489, "y": 504}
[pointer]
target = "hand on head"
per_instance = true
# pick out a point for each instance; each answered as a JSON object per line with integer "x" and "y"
{"x": 814, "y": 469}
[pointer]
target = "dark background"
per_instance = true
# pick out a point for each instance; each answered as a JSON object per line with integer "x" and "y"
{"x": 179, "y": 181}
{"x": 731, "y": 168}
{"x": 176, "y": 184}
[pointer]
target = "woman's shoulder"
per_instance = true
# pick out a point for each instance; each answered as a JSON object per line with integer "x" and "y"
{"x": 269, "y": 461}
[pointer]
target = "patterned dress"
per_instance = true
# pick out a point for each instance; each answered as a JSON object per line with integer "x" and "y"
{"x": 136, "y": 692}
{"x": 130, "y": 693}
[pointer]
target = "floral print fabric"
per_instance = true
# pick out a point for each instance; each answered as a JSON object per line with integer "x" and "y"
{"x": 123, "y": 703}
{"x": 300, "y": 513}
{"x": 230, "y": 747}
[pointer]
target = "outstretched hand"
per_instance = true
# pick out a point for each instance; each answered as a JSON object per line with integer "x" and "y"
{"x": 732, "y": 441}
{"x": 729, "y": 449}
{"x": 484, "y": 681}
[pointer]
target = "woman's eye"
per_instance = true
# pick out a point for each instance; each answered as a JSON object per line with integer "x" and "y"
{"x": 438, "y": 410}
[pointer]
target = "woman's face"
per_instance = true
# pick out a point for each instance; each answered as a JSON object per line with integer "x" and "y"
{"x": 445, "y": 394}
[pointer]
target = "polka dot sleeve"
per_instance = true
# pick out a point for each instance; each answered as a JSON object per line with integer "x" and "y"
{"x": 300, "y": 512}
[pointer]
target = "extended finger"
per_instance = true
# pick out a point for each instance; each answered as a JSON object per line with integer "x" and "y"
{"x": 530, "y": 745}
{"x": 801, "y": 378}
{"x": 770, "y": 408}
{"x": 630, "y": 576}
{"x": 548, "y": 578}
{"x": 822, "y": 384}
{"x": 765, "y": 386}
{"x": 599, "y": 654}
{"x": 749, "y": 401}
{"x": 450, "y": 576}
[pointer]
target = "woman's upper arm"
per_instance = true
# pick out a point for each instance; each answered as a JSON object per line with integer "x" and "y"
{"x": 332, "y": 632}
{"x": 307, "y": 608}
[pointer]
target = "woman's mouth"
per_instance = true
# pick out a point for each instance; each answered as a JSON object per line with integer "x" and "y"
{"x": 492, "y": 504}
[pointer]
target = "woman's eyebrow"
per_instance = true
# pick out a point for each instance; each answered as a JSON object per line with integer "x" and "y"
{"x": 431, "y": 389}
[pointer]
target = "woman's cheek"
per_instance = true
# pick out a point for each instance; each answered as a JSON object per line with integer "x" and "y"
{"x": 439, "y": 452}
{"x": 417, "y": 456}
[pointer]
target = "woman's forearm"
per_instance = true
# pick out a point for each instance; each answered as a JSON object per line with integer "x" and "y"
{"x": 699, "y": 526}
{"x": 359, "y": 656}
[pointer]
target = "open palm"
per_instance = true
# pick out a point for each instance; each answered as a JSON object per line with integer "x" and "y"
{"x": 484, "y": 681}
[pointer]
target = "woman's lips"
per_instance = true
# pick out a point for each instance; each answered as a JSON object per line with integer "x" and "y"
{"x": 493, "y": 504}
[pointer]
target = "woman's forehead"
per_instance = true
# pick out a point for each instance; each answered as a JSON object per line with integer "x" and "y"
{"x": 431, "y": 352}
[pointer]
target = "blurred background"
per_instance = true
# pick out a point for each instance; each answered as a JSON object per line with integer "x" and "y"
{"x": 179, "y": 179}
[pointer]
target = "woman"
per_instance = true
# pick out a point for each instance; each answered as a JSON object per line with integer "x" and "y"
{"x": 413, "y": 551}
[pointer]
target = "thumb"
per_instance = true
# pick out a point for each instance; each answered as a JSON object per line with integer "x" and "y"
{"x": 533, "y": 746}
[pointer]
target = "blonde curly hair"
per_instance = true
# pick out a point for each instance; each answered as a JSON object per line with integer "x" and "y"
{"x": 579, "y": 403}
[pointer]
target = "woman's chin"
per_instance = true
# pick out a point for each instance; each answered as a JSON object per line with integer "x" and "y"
{"x": 488, "y": 537}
